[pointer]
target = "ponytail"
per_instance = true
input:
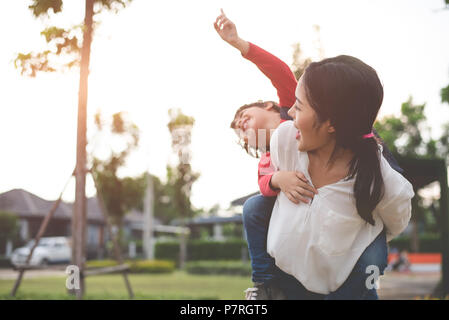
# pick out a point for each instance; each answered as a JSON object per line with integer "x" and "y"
{"x": 368, "y": 186}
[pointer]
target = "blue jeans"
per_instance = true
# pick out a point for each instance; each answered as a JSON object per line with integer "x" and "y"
{"x": 256, "y": 218}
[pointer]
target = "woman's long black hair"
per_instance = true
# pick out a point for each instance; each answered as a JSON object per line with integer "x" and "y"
{"x": 348, "y": 92}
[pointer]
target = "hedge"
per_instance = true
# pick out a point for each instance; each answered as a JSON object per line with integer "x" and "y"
{"x": 219, "y": 267}
{"x": 202, "y": 250}
{"x": 428, "y": 242}
{"x": 5, "y": 262}
{"x": 137, "y": 266}
{"x": 152, "y": 266}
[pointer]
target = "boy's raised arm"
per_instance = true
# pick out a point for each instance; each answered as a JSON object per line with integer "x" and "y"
{"x": 271, "y": 66}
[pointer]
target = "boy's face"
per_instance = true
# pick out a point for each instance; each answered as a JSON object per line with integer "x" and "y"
{"x": 255, "y": 122}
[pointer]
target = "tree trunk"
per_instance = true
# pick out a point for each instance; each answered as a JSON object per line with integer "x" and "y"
{"x": 182, "y": 248}
{"x": 414, "y": 245}
{"x": 414, "y": 238}
{"x": 148, "y": 230}
{"x": 79, "y": 214}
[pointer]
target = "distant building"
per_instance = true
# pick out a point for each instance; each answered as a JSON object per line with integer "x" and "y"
{"x": 240, "y": 201}
{"x": 214, "y": 223}
{"x": 31, "y": 211}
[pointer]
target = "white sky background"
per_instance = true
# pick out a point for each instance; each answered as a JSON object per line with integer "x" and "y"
{"x": 153, "y": 56}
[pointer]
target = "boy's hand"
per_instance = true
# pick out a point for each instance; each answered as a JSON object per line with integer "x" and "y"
{"x": 226, "y": 29}
{"x": 228, "y": 32}
{"x": 294, "y": 184}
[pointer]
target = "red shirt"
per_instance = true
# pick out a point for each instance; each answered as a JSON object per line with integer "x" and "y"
{"x": 285, "y": 82}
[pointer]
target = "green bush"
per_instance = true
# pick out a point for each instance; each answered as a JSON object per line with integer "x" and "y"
{"x": 5, "y": 262}
{"x": 202, "y": 250}
{"x": 100, "y": 263}
{"x": 137, "y": 266}
{"x": 9, "y": 228}
{"x": 236, "y": 268}
{"x": 428, "y": 242}
{"x": 152, "y": 266}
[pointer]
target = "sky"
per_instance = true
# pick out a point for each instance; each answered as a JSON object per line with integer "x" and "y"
{"x": 157, "y": 55}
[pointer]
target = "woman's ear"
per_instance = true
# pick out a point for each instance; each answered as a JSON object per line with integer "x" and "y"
{"x": 330, "y": 128}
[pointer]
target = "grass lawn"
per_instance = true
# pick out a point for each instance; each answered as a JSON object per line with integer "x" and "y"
{"x": 178, "y": 285}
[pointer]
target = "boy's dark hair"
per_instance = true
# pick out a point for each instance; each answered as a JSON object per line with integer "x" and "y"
{"x": 260, "y": 104}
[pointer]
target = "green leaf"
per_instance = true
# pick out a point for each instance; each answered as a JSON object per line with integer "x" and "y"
{"x": 445, "y": 93}
{"x": 41, "y": 7}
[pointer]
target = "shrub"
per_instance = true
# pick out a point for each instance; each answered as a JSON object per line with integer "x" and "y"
{"x": 101, "y": 263}
{"x": 236, "y": 268}
{"x": 428, "y": 242}
{"x": 5, "y": 262}
{"x": 8, "y": 229}
{"x": 152, "y": 266}
{"x": 202, "y": 250}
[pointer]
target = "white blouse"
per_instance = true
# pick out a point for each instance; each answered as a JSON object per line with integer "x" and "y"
{"x": 319, "y": 243}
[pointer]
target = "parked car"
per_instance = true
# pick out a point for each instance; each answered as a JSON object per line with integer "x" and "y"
{"x": 50, "y": 250}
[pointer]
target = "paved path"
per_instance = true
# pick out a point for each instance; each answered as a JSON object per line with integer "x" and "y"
{"x": 8, "y": 274}
{"x": 405, "y": 286}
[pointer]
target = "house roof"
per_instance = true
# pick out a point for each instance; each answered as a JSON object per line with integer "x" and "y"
{"x": 241, "y": 201}
{"x": 26, "y": 204}
{"x": 211, "y": 220}
{"x": 135, "y": 219}
{"x": 215, "y": 220}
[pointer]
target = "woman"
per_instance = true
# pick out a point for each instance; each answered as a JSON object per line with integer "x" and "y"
{"x": 257, "y": 210}
{"x": 331, "y": 141}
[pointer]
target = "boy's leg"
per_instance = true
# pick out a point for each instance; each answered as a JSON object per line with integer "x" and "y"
{"x": 293, "y": 289}
{"x": 358, "y": 286}
{"x": 256, "y": 218}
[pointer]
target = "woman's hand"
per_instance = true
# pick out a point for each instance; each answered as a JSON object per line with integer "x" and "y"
{"x": 228, "y": 32}
{"x": 294, "y": 184}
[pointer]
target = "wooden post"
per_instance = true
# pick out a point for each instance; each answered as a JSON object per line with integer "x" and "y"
{"x": 105, "y": 270}
{"x": 148, "y": 221}
{"x": 444, "y": 212}
{"x": 36, "y": 241}
{"x": 182, "y": 247}
{"x": 40, "y": 233}
{"x": 79, "y": 208}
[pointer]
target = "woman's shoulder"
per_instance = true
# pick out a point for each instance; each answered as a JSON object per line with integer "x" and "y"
{"x": 286, "y": 127}
{"x": 283, "y": 145}
{"x": 285, "y": 132}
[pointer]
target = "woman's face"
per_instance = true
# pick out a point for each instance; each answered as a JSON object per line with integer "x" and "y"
{"x": 311, "y": 134}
